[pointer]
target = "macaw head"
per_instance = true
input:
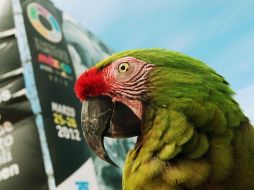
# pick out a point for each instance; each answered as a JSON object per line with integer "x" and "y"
{"x": 117, "y": 92}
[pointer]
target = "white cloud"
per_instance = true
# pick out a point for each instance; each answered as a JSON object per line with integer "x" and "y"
{"x": 235, "y": 61}
{"x": 181, "y": 40}
{"x": 242, "y": 48}
{"x": 222, "y": 23}
{"x": 189, "y": 34}
{"x": 246, "y": 100}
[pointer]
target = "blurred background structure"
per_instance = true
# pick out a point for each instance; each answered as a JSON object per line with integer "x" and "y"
{"x": 43, "y": 50}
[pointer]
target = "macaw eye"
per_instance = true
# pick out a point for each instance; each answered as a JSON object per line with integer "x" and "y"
{"x": 123, "y": 67}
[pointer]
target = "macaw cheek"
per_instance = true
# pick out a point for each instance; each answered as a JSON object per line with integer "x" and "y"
{"x": 100, "y": 117}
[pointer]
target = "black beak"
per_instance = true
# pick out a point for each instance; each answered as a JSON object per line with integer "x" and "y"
{"x": 101, "y": 117}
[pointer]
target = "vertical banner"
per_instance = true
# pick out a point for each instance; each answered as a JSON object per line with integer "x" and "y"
{"x": 21, "y": 164}
{"x": 54, "y": 78}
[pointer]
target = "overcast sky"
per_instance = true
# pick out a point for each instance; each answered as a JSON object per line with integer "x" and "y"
{"x": 219, "y": 32}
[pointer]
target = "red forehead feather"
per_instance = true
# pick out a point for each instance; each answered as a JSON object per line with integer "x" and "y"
{"x": 90, "y": 83}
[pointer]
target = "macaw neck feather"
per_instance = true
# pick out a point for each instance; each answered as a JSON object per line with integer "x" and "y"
{"x": 181, "y": 150}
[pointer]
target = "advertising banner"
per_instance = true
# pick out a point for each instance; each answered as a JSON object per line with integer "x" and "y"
{"x": 54, "y": 78}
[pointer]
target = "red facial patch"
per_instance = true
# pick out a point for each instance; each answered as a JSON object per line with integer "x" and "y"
{"x": 90, "y": 83}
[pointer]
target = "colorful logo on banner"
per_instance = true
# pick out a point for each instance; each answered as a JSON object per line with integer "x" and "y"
{"x": 65, "y": 69}
{"x": 44, "y": 22}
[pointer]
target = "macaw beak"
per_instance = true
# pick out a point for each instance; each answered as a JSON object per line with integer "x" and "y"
{"x": 101, "y": 117}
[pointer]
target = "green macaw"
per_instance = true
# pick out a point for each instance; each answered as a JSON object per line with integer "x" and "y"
{"x": 191, "y": 133}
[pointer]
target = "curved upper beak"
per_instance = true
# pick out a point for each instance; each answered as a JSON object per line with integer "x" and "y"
{"x": 101, "y": 117}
